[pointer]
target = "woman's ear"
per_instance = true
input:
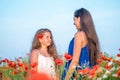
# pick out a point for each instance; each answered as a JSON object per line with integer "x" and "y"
{"x": 79, "y": 19}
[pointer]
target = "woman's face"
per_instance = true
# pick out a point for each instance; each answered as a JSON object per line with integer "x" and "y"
{"x": 77, "y": 22}
{"x": 46, "y": 39}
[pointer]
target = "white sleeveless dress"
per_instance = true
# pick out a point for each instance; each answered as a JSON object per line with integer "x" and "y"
{"x": 46, "y": 65}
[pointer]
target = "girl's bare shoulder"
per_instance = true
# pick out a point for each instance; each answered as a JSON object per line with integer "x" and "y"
{"x": 34, "y": 52}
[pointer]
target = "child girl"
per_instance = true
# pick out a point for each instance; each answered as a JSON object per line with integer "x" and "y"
{"x": 43, "y": 53}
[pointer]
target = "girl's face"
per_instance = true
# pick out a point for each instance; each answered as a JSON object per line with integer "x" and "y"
{"x": 46, "y": 39}
{"x": 77, "y": 22}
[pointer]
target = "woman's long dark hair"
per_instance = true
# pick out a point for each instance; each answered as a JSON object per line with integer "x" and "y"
{"x": 87, "y": 26}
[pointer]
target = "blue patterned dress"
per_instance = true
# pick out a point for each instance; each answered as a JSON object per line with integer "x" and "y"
{"x": 84, "y": 59}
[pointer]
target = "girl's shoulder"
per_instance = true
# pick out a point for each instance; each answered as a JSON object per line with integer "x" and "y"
{"x": 34, "y": 52}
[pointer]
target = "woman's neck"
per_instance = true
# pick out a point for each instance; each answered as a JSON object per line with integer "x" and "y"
{"x": 79, "y": 29}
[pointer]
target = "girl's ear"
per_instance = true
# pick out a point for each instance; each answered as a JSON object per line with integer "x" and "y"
{"x": 40, "y": 40}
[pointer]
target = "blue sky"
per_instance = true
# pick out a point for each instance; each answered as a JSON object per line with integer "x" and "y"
{"x": 20, "y": 19}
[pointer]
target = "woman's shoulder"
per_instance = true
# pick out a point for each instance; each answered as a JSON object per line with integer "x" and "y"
{"x": 79, "y": 34}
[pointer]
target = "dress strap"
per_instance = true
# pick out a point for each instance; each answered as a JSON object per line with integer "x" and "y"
{"x": 37, "y": 51}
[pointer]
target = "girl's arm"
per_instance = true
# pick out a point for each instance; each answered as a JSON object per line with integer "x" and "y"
{"x": 34, "y": 60}
{"x": 76, "y": 55}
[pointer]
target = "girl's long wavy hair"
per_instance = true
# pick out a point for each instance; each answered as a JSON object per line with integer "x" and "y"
{"x": 87, "y": 26}
{"x": 36, "y": 44}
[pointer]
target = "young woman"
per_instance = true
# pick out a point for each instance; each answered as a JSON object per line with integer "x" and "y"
{"x": 84, "y": 47}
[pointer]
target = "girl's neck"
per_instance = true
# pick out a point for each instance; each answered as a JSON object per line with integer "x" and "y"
{"x": 44, "y": 52}
{"x": 43, "y": 49}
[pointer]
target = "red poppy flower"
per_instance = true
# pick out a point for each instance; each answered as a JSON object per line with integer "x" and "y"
{"x": 14, "y": 65}
{"x": 34, "y": 75}
{"x": 109, "y": 59}
{"x": 10, "y": 64}
{"x": 14, "y": 72}
{"x": 80, "y": 71}
{"x": 58, "y": 61}
{"x": 26, "y": 68}
{"x": 20, "y": 64}
{"x": 118, "y": 73}
{"x": 107, "y": 67}
{"x": 118, "y": 55}
{"x": 33, "y": 65}
{"x": 92, "y": 73}
{"x": 99, "y": 61}
{"x": 6, "y": 60}
{"x": 96, "y": 67}
{"x": 0, "y": 74}
{"x": 84, "y": 71}
{"x": 67, "y": 57}
{"x": 104, "y": 58}
{"x": 39, "y": 36}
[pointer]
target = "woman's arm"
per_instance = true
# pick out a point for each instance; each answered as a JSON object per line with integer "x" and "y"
{"x": 76, "y": 54}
